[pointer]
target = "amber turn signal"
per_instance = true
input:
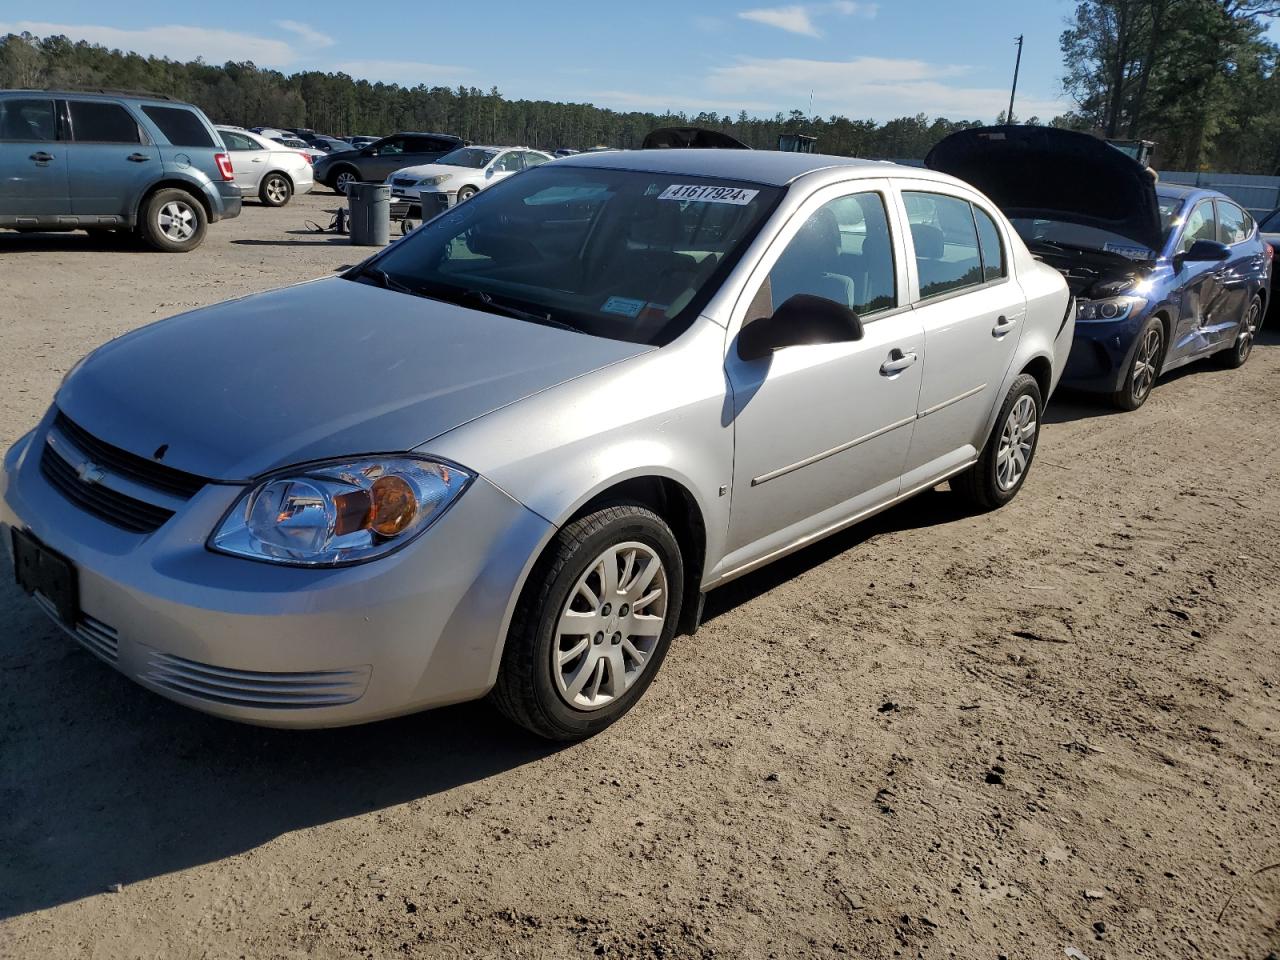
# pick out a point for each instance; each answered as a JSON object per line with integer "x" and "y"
{"x": 394, "y": 505}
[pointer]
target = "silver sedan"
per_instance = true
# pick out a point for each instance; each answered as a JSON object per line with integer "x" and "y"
{"x": 510, "y": 454}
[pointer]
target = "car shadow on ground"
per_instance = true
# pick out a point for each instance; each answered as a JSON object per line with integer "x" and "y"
{"x": 102, "y": 782}
{"x": 72, "y": 241}
{"x": 929, "y": 509}
{"x": 320, "y": 241}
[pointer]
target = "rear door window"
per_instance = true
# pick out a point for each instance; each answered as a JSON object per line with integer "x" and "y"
{"x": 993, "y": 263}
{"x": 946, "y": 243}
{"x": 238, "y": 142}
{"x": 1234, "y": 225}
{"x": 181, "y": 127}
{"x": 29, "y": 120}
{"x": 100, "y": 121}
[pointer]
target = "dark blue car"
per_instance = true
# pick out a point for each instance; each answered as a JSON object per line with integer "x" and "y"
{"x": 1163, "y": 275}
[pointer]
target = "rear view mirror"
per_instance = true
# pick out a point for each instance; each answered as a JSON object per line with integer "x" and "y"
{"x": 1206, "y": 251}
{"x": 802, "y": 320}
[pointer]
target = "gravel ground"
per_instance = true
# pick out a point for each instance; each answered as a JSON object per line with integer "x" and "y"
{"x": 936, "y": 735}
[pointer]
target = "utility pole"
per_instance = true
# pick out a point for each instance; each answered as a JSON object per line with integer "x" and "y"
{"x": 1008, "y": 117}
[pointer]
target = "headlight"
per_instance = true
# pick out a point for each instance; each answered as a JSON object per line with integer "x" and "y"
{"x": 434, "y": 181}
{"x": 1111, "y": 308}
{"x": 337, "y": 513}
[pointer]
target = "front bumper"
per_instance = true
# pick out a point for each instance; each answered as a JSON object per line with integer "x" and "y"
{"x": 283, "y": 646}
{"x": 1101, "y": 353}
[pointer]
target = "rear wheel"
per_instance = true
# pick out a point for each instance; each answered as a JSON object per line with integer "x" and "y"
{"x": 593, "y": 625}
{"x": 275, "y": 190}
{"x": 1148, "y": 357}
{"x": 1248, "y": 333}
{"x": 173, "y": 221}
{"x": 1006, "y": 460}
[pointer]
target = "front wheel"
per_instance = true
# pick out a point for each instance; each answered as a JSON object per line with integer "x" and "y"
{"x": 343, "y": 179}
{"x": 466, "y": 193}
{"x": 1245, "y": 337}
{"x": 1006, "y": 460}
{"x": 1148, "y": 357}
{"x": 593, "y": 624}
{"x": 173, "y": 221}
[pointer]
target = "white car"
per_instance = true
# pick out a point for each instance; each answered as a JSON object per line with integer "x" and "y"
{"x": 268, "y": 170}
{"x": 460, "y": 175}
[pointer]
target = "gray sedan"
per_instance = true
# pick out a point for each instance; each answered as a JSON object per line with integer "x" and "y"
{"x": 562, "y": 413}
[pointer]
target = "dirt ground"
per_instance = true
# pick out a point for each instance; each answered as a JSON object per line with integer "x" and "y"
{"x": 936, "y": 735}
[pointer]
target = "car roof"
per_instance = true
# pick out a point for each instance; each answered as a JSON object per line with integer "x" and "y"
{"x": 769, "y": 167}
{"x": 421, "y": 133}
{"x": 1181, "y": 191}
{"x": 136, "y": 95}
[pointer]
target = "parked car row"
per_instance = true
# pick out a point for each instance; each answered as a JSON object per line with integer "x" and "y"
{"x": 459, "y": 175}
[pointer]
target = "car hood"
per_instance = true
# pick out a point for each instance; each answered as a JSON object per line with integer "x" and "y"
{"x": 330, "y": 368}
{"x": 432, "y": 170}
{"x": 1055, "y": 174}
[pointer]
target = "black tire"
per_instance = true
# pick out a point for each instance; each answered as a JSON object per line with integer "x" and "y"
{"x": 339, "y": 177}
{"x": 526, "y": 691}
{"x": 981, "y": 485}
{"x": 158, "y": 227}
{"x": 466, "y": 193}
{"x": 275, "y": 190}
{"x": 1250, "y": 324}
{"x": 1144, "y": 367}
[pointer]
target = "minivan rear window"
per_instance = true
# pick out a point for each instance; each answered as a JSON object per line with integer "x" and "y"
{"x": 99, "y": 121}
{"x": 181, "y": 127}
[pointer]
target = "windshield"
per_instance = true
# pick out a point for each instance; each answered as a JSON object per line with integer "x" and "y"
{"x": 611, "y": 253}
{"x": 1169, "y": 219}
{"x": 468, "y": 157}
{"x": 1039, "y": 233}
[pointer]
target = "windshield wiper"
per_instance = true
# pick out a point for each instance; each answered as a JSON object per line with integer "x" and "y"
{"x": 385, "y": 279}
{"x": 493, "y": 306}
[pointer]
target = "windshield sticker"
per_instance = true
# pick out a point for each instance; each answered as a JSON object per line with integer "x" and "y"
{"x": 1132, "y": 251}
{"x": 623, "y": 307}
{"x": 697, "y": 193}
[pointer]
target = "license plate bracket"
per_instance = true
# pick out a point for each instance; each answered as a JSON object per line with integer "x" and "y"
{"x": 38, "y": 569}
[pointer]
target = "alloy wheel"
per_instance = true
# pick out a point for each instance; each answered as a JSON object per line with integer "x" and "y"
{"x": 610, "y": 626}
{"x": 177, "y": 221}
{"x": 1145, "y": 363}
{"x": 343, "y": 181}
{"x": 1248, "y": 331}
{"x": 1017, "y": 441}
{"x": 276, "y": 191}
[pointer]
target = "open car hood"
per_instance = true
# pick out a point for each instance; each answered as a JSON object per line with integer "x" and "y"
{"x": 1055, "y": 174}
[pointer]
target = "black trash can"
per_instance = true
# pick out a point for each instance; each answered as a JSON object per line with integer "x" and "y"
{"x": 370, "y": 205}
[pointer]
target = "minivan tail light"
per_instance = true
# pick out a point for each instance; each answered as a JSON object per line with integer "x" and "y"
{"x": 224, "y": 166}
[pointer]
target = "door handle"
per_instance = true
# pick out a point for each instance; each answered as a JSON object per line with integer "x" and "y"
{"x": 897, "y": 362}
{"x": 137, "y": 158}
{"x": 1003, "y": 326}
{"x": 41, "y": 157}
{"x": 257, "y": 160}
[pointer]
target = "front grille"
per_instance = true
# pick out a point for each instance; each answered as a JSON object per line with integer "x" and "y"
{"x": 113, "y": 507}
{"x": 252, "y": 688}
{"x": 130, "y": 465}
{"x": 402, "y": 182}
{"x": 71, "y": 449}
{"x": 94, "y": 635}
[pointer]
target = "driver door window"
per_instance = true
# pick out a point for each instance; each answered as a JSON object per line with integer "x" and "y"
{"x": 392, "y": 148}
{"x": 508, "y": 163}
{"x": 843, "y": 253}
{"x": 1200, "y": 226}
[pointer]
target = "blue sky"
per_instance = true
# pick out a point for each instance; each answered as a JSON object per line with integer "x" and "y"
{"x": 862, "y": 59}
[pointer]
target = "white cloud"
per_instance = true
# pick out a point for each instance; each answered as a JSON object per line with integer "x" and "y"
{"x": 308, "y": 34}
{"x": 407, "y": 73}
{"x": 173, "y": 41}
{"x": 798, "y": 18}
{"x": 877, "y": 87}
{"x": 686, "y": 102}
{"x": 791, "y": 19}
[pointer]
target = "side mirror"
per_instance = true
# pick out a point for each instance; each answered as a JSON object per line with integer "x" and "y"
{"x": 1206, "y": 251}
{"x": 801, "y": 320}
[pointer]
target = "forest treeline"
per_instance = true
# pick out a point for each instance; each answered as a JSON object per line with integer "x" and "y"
{"x": 1199, "y": 77}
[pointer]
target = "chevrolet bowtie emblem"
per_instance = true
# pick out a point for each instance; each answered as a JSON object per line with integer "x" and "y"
{"x": 90, "y": 472}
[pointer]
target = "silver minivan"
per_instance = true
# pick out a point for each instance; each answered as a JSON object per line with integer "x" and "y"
{"x": 510, "y": 453}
